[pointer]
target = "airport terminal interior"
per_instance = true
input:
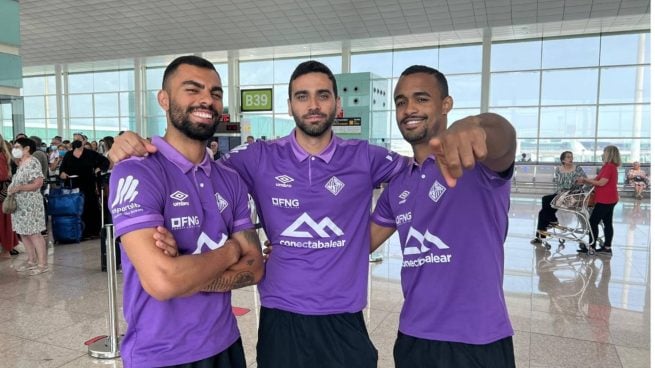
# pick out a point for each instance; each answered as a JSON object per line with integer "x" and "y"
{"x": 570, "y": 75}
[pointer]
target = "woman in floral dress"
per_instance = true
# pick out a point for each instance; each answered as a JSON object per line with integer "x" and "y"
{"x": 29, "y": 219}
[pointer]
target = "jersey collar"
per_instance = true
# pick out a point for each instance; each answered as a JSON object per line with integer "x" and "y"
{"x": 325, "y": 155}
{"x": 180, "y": 161}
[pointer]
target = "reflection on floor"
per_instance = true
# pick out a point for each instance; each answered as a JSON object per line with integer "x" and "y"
{"x": 567, "y": 310}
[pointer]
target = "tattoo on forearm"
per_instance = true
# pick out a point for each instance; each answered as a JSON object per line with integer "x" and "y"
{"x": 237, "y": 281}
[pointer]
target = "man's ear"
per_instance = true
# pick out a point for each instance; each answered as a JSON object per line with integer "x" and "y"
{"x": 338, "y": 103}
{"x": 446, "y": 105}
{"x": 289, "y": 107}
{"x": 163, "y": 99}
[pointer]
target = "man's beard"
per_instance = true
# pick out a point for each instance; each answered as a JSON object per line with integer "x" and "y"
{"x": 414, "y": 137}
{"x": 314, "y": 130}
{"x": 199, "y": 132}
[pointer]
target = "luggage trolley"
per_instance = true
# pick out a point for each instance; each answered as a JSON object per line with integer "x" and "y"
{"x": 574, "y": 201}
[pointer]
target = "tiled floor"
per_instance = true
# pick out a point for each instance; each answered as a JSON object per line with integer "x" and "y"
{"x": 567, "y": 310}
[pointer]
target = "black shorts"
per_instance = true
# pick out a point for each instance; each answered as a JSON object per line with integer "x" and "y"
{"x": 232, "y": 357}
{"x": 412, "y": 352}
{"x": 291, "y": 340}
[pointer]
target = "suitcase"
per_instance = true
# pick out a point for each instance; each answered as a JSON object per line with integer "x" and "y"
{"x": 62, "y": 202}
{"x": 67, "y": 229}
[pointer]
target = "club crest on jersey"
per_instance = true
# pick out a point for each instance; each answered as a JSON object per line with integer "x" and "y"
{"x": 222, "y": 203}
{"x": 436, "y": 191}
{"x": 334, "y": 185}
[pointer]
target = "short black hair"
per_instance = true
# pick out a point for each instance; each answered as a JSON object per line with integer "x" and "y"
{"x": 441, "y": 79}
{"x": 313, "y": 66}
{"x": 188, "y": 60}
{"x": 26, "y": 142}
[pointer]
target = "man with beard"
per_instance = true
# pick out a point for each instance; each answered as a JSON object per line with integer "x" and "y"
{"x": 171, "y": 319}
{"x": 454, "y": 313}
{"x": 313, "y": 192}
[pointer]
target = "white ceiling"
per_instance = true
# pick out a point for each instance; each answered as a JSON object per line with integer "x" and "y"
{"x": 64, "y": 31}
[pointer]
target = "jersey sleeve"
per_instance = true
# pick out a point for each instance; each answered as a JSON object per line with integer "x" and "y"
{"x": 135, "y": 199}
{"x": 384, "y": 164}
{"x": 244, "y": 159}
{"x": 382, "y": 214}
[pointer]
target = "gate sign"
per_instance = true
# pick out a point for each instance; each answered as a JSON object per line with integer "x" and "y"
{"x": 257, "y": 99}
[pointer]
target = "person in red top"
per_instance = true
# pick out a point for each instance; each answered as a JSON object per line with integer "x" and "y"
{"x": 607, "y": 195}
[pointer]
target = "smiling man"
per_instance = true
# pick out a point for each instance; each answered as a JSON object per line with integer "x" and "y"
{"x": 170, "y": 320}
{"x": 450, "y": 209}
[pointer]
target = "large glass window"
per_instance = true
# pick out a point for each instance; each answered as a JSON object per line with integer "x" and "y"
{"x": 40, "y": 106}
{"x": 579, "y": 92}
{"x": 101, "y": 103}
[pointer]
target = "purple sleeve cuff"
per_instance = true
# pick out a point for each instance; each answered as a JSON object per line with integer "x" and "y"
{"x": 242, "y": 224}
{"x": 138, "y": 223}
{"x": 382, "y": 221}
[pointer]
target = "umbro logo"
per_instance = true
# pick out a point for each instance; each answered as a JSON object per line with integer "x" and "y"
{"x": 284, "y": 181}
{"x": 403, "y": 197}
{"x": 319, "y": 228}
{"x": 222, "y": 203}
{"x": 179, "y": 198}
{"x": 334, "y": 185}
{"x": 422, "y": 239}
{"x": 126, "y": 190}
{"x": 436, "y": 191}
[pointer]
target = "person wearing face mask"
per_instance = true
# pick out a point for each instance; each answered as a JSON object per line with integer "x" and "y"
{"x": 85, "y": 164}
{"x": 29, "y": 218}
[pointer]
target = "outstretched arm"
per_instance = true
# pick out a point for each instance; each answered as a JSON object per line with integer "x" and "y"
{"x": 488, "y": 138}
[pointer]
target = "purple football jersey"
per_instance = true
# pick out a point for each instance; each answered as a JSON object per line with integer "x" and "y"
{"x": 452, "y": 243}
{"x": 201, "y": 205}
{"x": 315, "y": 210}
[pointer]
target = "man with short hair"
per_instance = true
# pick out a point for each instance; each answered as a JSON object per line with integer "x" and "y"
{"x": 171, "y": 321}
{"x": 450, "y": 208}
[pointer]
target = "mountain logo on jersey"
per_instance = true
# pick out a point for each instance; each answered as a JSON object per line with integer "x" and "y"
{"x": 436, "y": 191}
{"x": 422, "y": 239}
{"x": 403, "y": 197}
{"x": 284, "y": 181}
{"x": 205, "y": 240}
{"x": 319, "y": 228}
{"x": 334, "y": 185}
{"x": 126, "y": 190}
{"x": 222, "y": 203}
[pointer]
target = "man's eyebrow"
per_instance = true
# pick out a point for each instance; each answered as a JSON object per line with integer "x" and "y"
{"x": 304, "y": 91}
{"x": 200, "y": 85}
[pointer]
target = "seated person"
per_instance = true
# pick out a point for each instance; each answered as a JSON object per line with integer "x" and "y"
{"x": 565, "y": 176}
{"x": 638, "y": 179}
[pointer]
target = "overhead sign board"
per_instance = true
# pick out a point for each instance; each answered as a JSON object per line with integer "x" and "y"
{"x": 257, "y": 99}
